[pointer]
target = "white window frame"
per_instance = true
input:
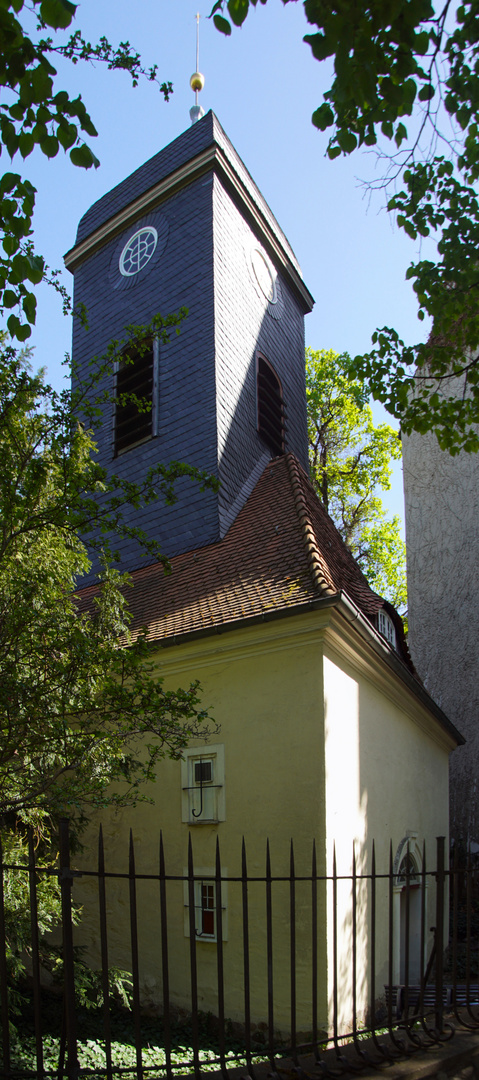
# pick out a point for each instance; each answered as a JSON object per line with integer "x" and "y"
{"x": 213, "y": 809}
{"x": 387, "y": 628}
{"x": 150, "y": 229}
{"x": 205, "y": 876}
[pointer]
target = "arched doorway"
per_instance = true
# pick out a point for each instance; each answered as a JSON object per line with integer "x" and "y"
{"x": 407, "y": 908}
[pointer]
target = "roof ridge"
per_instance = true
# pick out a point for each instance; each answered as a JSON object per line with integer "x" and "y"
{"x": 313, "y": 556}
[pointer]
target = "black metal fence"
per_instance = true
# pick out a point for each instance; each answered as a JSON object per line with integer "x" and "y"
{"x": 358, "y": 945}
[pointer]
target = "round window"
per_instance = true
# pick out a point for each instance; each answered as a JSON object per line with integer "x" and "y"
{"x": 264, "y": 275}
{"x": 138, "y": 251}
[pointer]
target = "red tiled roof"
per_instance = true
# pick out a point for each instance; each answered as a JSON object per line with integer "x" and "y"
{"x": 281, "y": 552}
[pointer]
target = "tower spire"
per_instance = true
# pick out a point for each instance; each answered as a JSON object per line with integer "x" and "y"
{"x": 197, "y": 80}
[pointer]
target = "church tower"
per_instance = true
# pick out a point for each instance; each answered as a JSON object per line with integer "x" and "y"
{"x": 191, "y": 229}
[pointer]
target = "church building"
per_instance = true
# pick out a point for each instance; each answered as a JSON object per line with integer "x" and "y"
{"x": 324, "y": 730}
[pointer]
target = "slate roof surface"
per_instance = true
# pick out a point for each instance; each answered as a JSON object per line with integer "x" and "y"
{"x": 281, "y": 552}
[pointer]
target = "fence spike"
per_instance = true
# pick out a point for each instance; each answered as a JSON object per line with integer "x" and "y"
{"x": 219, "y": 960}
{"x": 104, "y": 952}
{"x": 314, "y": 952}
{"x": 164, "y": 960}
{"x": 3, "y": 973}
{"x": 68, "y": 954}
{"x": 193, "y": 967}
{"x": 35, "y": 952}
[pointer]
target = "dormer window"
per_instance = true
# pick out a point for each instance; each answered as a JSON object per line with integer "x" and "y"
{"x": 135, "y": 416}
{"x": 271, "y": 413}
{"x": 387, "y": 628}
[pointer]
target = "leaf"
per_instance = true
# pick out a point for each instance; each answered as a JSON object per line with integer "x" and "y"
{"x": 9, "y": 181}
{"x": 83, "y": 157}
{"x": 400, "y": 134}
{"x": 41, "y": 84}
{"x": 10, "y": 245}
{"x": 222, "y": 24}
{"x": 323, "y": 117}
{"x": 88, "y": 126}
{"x": 421, "y": 43}
{"x": 61, "y": 100}
{"x": 29, "y": 305}
{"x": 23, "y": 332}
{"x": 17, "y": 111}
{"x": 347, "y": 141}
{"x": 49, "y": 146}
{"x": 321, "y": 46}
{"x": 67, "y": 135}
{"x": 238, "y": 10}
{"x": 13, "y": 323}
{"x": 426, "y": 92}
{"x": 26, "y": 143}
{"x": 57, "y": 13}
{"x": 35, "y": 268}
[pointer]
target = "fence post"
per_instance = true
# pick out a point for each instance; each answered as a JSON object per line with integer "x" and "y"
{"x": 4, "y": 975}
{"x": 440, "y": 883}
{"x": 65, "y": 880}
{"x": 35, "y": 952}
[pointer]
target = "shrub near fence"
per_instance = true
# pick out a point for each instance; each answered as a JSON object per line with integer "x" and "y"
{"x": 290, "y": 990}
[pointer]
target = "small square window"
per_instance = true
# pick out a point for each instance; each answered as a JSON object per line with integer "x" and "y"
{"x": 203, "y": 785}
{"x": 205, "y": 904}
{"x": 203, "y": 772}
{"x": 207, "y": 912}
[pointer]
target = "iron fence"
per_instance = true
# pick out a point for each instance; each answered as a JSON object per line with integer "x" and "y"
{"x": 335, "y": 971}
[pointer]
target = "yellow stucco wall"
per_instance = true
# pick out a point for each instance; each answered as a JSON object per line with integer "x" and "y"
{"x": 320, "y": 741}
{"x": 264, "y": 688}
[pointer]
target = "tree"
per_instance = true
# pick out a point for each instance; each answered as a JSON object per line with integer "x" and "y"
{"x": 76, "y": 711}
{"x": 84, "y": 717}
{"x": 409, "y": 63}
{"x": 350, "y": 461}
{"x": 34, "y": 113}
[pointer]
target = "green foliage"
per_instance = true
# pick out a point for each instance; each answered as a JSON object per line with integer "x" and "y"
{"x": 88, "y": 981}
{"x": 84, "y": 716}
{"x": 350, "y": 461}
{"x": 35, "y": 114}
{"x": 18, "y": 938}
{"x": 91, "y": 1043}
{"x": 17, "y": 909}
{"x": 77, "y": 713}
{"x": 406, "y": 82}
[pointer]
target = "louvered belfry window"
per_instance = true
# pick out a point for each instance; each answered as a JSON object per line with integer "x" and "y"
{"x": 271, "y": 413}
{"x": 134, "y": 422}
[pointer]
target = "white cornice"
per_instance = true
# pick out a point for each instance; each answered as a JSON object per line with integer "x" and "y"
{"x": 348, "y": 632}
{"x": 342, "y": 642}
{"x": 211, "y": 158}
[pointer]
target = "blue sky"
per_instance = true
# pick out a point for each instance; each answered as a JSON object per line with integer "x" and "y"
{"x": 263, "y": 84}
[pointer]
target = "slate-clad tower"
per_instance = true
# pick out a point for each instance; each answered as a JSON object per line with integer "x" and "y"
{"x": 190, "y": 228}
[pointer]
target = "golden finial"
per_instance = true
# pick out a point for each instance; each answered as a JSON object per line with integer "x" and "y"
{"x": 197, "y": 80}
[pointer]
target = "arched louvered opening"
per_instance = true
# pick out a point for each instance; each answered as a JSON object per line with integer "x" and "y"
{"x": 134, "y": 398}
{"x": 271, "y": 411}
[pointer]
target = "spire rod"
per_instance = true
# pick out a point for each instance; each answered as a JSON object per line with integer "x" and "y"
{"x": 197, "y": 46}
{"x": 197, "y": 80}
